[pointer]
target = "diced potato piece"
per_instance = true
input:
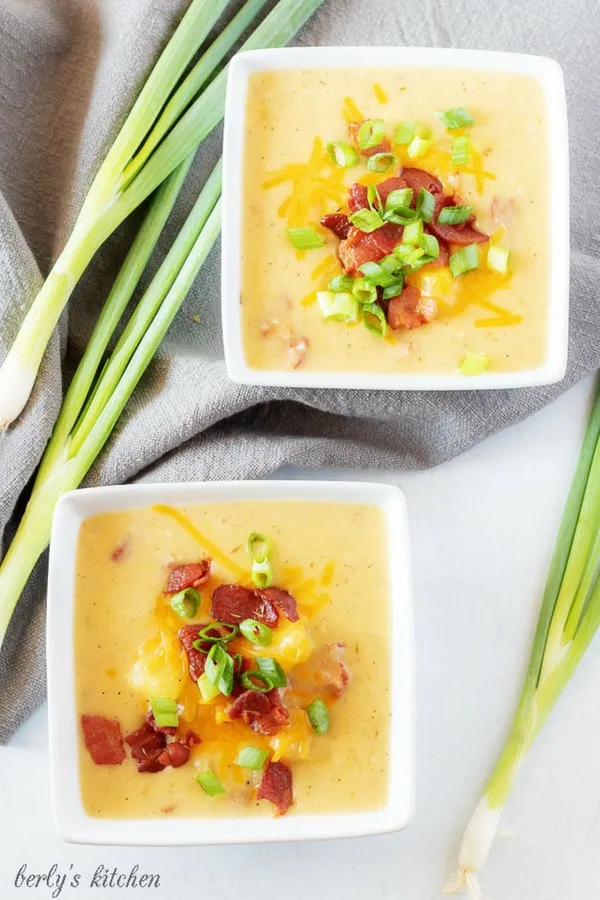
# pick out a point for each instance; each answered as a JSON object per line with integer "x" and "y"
{"x": 294, "y": 741}
{"x": 291, "y": 644}
{"x": 158, "y": 671}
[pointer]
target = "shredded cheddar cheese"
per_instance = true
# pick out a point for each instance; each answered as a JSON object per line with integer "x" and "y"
{"x": 351, "y": 112}
{"x": 380, "y": 94}
{"x": 212, "y": 549}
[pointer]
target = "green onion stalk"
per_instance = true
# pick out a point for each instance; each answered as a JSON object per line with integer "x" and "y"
{"x": 169, "y": 120}
{"x": 569, "y": 618}
{"x": 100, "y": 389}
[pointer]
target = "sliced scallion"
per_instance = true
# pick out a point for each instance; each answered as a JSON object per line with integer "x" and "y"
{"x": 251, "y": 758}
{"x": 402, "y": 197}
{"x": 454, "y": 215}
{"x": 374, "y": 319}
{"x": 464, "y": 260}
{"x": 394, "y": 290}
{"x": 225, "y": 680}
{"x": 207, "y": 689}
{"x": 391, "y": 264}
{"x": 342, "y": 155}
{"x": 461, "y": 150}
{"x": 405, "y": 132}
{"x": 262, "y": 572}
{"x": 401, "y": 216}
{"x": 218, "y": 632}
{"x": 377, "y": 275}
{"x": 186, "y": 603}
{"x": 340, "y": 284}
{"x": 497, "y": 259}
{"x": 305, "y": 238}
{"x": 341, "y": 306}
{"x": 256, "y": 680}
{"x": 272, "y": 669}
{"x": 259, "y": 548}
{"x": 425, "y": 204}
{"x": 420, "y": 144}
{"x": 381, "y": 162}
{"x": 412, "y": 232}
{"x": 318, "y": 716}
{"x": 366, "y": 220}
{"x": 364, "y": 291}
{"x": 407, "y": 254}
{"x": 474, "y": 363}
{"x": 371, "y": 133}
{"x": 210, "y": 784}
{"x": 430, "y": 244}
{"x": 164, "y": 711}
{"x": 373, "y": 199}
{"x": 459, "y": 117}
{"x": 256, "y": 632}
{"x": 215, "y": 663}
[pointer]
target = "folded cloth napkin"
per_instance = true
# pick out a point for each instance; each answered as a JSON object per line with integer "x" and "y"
{"x": 68, "y": 74}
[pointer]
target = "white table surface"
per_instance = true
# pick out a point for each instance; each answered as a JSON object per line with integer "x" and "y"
{"x": 483, "y": 527}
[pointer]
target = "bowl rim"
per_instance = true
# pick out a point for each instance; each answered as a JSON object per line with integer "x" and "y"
{"x": 72, "y": 823}
{"x": 550, "y": 76}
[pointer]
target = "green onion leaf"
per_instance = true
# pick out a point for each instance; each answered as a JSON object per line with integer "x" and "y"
{"x": 371, "y": 133}
{"x": 364, "y": 291}
{"x": 407, "y": 254}
{"x": 425, "y": 204}
{"x": 258, "y": 547}
{"x": 374, "y": 319}
{"x": 474, "y": 364}
{"x": 430, "y": 244}
{"x": 405, "y": 132}
{"x": 341, "y": 284}
{"x": 366, "y": 220}
{"x": 273, "y": 671}
{"x": 373, "y": 199}
{"x": 304, "y": 238}
{"x": 256, "y": 632}
{"x": 412, "y": 232}
{"x": 454, "y": 215}
{"x": 207, "y": 689}
{"x": 459, "y": 117}
{"x": 342, "y": 306}
{"x": 394, "y": 290}
{"x": 215, "y": 663}
{"x": 381, "y": 162}
{"x": 251, "y": 758}
{"x": 186, "y": 603}
{"x": 218, "y": 632}
{"x": 262, "y": 572}
{"x": 374, "y": 273}
{"x": 249, "y": 681}
{"x": 342, "y": 155}
{"x": 464, "y": 260}
{"x": 318, "y": 716}
{"x": 399, "y": 198}
{"x": 164, "y": 711}
{"x": 420, "y": 144}
{"x": 497, "y": 259}
{"x": 461, "y": 150}
{"x": 225, "y": 680}
{"x": 401, "y": 216}
{"x": 391, "y": 264}
{"x": 210, "y": 784}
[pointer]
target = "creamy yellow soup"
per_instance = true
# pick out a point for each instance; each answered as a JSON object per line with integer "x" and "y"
{"x": 290, "y": 183}
{"x": 331, "y": 556}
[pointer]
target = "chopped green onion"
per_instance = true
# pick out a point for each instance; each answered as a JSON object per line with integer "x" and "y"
{"x": 225, "y": 681}
{"x": 249, "y": 679}
{"x": 342, "y": 306}
{"x": 454, "y": 215}
{"x": 210, "y": 784}
{"x": 271, "y": 668}
{"x": 400, "y": 216}
{"x": 374, "y": 273}
{"x": 207, "y": 689}
{"x": 304, "y": 238}
{"x": 262, "y": 572}
{"x": 364, "y": 291}
{"x": 215, "y": 663}
{"x": 164, "y": 711}
{"x": 474, "y": 363}
{"x": 341, "y": 154}
{"x": 399, "y": 198}
{"x": 394, "y": 290}
{"x": 407, "y": 254}
{"x": 341, "y": 284}
{"x": 391, "y": 264}
{"x": 405, "y": 132}
{"x": 425, "y": 204}
{"x": 318, "y": 716}
{"x": 430, "y": 244}
{"x": 256, "y": 632}
{"x": 373, "y": 199}
{"x": 258, "y": 546}
{"x": 420, "y": 144}
{"x": 381, "y": 162}
{"x": 417, "y": 264}
{"x": 464, "y": 260}
{"x": 459, "y": 117}
{"x": 497, "y": 259}
{"x": 374, "y": 319}
{"x": 251, "y": 758}
{"x": 366, "y": 220}
{"x": 412, "y": 232}
{"x": 461, "y": 150}
{"x": 218, "y": 632}
{"x": 371, "y": 133}
{"x": 186, "y": 603}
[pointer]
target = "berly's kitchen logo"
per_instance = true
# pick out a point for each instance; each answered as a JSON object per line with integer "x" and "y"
{"x": 55, "y": 880}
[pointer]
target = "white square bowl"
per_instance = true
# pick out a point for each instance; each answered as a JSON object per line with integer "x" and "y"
{"x": 72, "y": 822}
{"x": 546, "y": 71}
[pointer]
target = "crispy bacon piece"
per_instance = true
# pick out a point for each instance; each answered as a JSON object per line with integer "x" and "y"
{"x": 358, "y": 197}
{"x": 360, "y": 247}
{"x": 175, "y": 754}
{"x": 147, "y": 746}
{"x": 264, "y": 713}
{"x": 296, "y": 351}
{"x": 409, "y": 310}
{"x": 338, "y": 223}
{"x": 383, "y": 147}
{"x": 232, "y": 603}
{"x": 191, "y": 738}
{"x": 419, "y": 178}
{"x": 462, "y": 234}
{"x": 103, "y": 740}
{"x": 276, "y": 786}
{"x": 335, "y": 670}
{"x": 196, "y": 660}
{"x": 188, "y": 575}
{"x": 121, "y": 550}
{"x": 282, "y": 599}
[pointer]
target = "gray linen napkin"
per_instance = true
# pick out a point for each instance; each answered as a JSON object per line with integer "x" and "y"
{"x": 69, "y": 70}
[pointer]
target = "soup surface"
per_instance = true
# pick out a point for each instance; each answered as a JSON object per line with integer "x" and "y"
{"x": 491, "y": 317}
{"x": 332, "y": 559}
